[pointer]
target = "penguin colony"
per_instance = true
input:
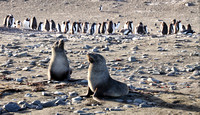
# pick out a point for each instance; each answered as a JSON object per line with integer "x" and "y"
{"x": 107, "y": 27}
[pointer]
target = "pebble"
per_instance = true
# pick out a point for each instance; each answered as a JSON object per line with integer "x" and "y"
{"x": 173, "y": 87}
{"x": 49, "y": 103}
{"x": 60, "y": 102}
{"x": 142, "y": 105}
{"x": 12, "y": 107}
{"x": 46, "y": 94}
{"x": 39, "y": 107}
{"x": 138, "y": 101}
{"x": 153, "y": 80}
{"x": 79, "y": 111}
{"x": 127, "y": 106}
{"x": 77, "y": 99}
{"x": 59, "y": 93}
{"x": 132, "y": 59}
{"x": 36, "y": 102}
{"x": 99, "y": 112}
{"x": 73, "y": 94}
{"x": 28, "y": 95}
{"x": 19, "y": 80}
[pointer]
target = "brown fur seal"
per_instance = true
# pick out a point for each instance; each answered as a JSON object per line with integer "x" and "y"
{"x": 59, "y": 66}
{"x": 100, "y": 84}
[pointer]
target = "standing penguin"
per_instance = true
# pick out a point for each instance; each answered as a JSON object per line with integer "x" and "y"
{"x": 41, "y": 26}
{"x": 5, "y": 21}
{"x": 34, "y": 23}
{"x": 58, "y": 28}
{"x": 18, "y": 24}
{"x": 26, "y": 23}
{"x": 189, "y": 29}
{"x": 171, "y": 29}
{"x": 99, "y": 28}
{"x": 85, "y": 28}
{"x": 10, "y": 21}
{"x": 110, "y": 27}
{"x": 93, "y": 28}
{"x": 104, "y": 27}
{"x": 117, "y": 26}
{"x": 67, "y": 26}
{"x": 139, "y": 29}
{"x": 178, "y": 27}
{"x": 164, "y": 28}
{"x": 52, "y": 26}
{"x": 46, "y": 25}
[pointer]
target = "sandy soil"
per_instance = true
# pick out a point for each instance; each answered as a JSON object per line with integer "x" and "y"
{"x": 183, "y": 100}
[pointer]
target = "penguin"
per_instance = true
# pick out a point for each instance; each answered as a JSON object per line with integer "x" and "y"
{"x": 26, "y": 23}
{"x": 58, "y": 28}
{"x": 41, "y": 26}
{"x": 63, "y": 27}
{"x": 125, "y": 31}
{"x": 178, "y": 27}
{"x": 85, "y": 28}
{"x": 67, "y": 26}
{"x": 18, "y": 24}
{"x": 34, "y": 23}
{"x": 117, "y": 26}
{"x": 189, "y": 29}
{"x": 173, "y": 24}
{"x": 110, "y": 27}
{"x": 46, "y": 25}
{"x": 130, "y": 25}
{"x": 164, "y": 28}
{"x": 104, "y": 27}
{"x": 99, "y": 28}
{"x": 93, "y": 28}
{"x": 145, "y": 30}
{"x": 10, "y": 21}
{"x": 74, "y": 28}
{"x": 52, "y": 26}
{"x": 5, "y": 21}
{"x": 171, "y": 29}
{"x": 80, "y": 24}
{"x": 126, "y": 25}
{"x": 100, "y": 8}
{"x": 139, "y": 29}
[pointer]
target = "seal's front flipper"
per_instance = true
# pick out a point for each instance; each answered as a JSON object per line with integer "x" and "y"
{"x": 98, "y": 94}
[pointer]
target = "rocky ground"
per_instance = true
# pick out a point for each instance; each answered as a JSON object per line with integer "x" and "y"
{"x": 162, "y": 72}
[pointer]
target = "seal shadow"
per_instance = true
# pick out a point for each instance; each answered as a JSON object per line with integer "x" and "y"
{"x": 149, "y": 97}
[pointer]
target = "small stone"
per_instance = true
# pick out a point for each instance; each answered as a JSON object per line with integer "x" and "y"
{"x": 28, "y": 95}
{"x": 138, "y": 101}
{"x": 19, "y": 80}
{"x": 76, "y": 99}
{"x": 84, "y": 81}
{"x": 144, "y": 105}
{"x": 49, "y": 103}
{"x": 36, "y": 102}
{"x": 132, "y": 59}
{"x": 99, "y": 112}
{"x": 12, "y": 107}
{"x": 46, "y": 94}
{"x": 152, "y": 84}
{"x": 73, "y": 94}
{"x": 60, "y": 102}
{"x": 119, "y": 100}
{"x": 85, "y": 109}
{"x": 79, "y": 111}
{"x": 173, "y": 87}
{"x": 39, "y": 107}
{"x": 26, "y": 69}
{"x": 127, "y": 106}
{"x": 153, "y": 80}
{"x": 59, "y": 93}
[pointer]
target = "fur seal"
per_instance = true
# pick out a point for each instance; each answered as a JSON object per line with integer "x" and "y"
{"x": 34, "y": 23}
{"x": 93, "y": 28}
{"x": 46, "y": 25}
{"x": 100, "y": 84}
{"x": 26, "y": 23}
{"x": 59, "y": 66}
{"x": 164, "y": 28}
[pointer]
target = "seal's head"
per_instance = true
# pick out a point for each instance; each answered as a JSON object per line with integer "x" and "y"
{"x": 95, "y": 58}
{"x": 58, "y": 46}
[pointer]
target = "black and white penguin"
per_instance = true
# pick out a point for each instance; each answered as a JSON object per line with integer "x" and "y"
{"x": 46, "y": 25}
{"x": 18, "y": 24}
{"x": 189, "y": 29}
{"x": 10, "y": 21}
{"x": 117, "y": 26}
{"x": 145, "y": 29}
{"x": 41, "y": 26}
{"x": 99, "y": 28}
{"x": 5, "y": 21}
{"x": 100, "y": 8}
{"x": 164, "y": 28}
{"x": 85, "y": 28}
{"x": 52, "y": 26}
{"x": 171, "y": 29}
{"x": 178, "y": 27}
{"x": 26, "y": 23}
{"x": 80, "y": 24}
{"x": 58, "y": 28}
{"x": 104, "y": 27}
{"x": 93, "y": 28}
{"x": 63, "y": 27}
{"x": 33, "y": 23}
{"x": 140, "y": 29}
{"x": 110, "y": 27}
{"x": 67, "y": 26}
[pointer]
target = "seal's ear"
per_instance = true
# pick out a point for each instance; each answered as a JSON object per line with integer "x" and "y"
{"x": 61, "y": 44}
